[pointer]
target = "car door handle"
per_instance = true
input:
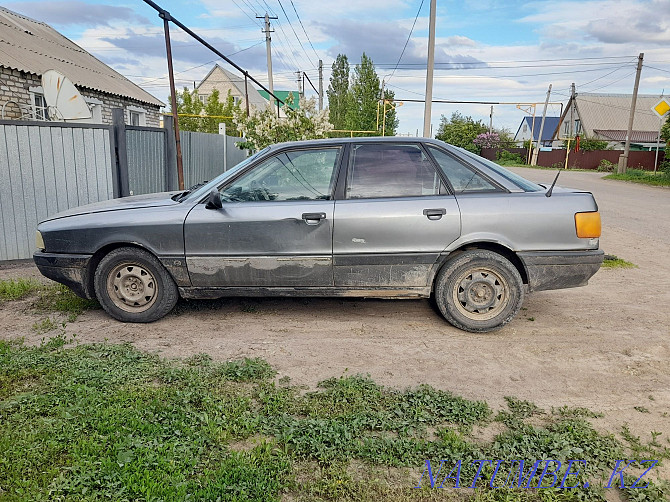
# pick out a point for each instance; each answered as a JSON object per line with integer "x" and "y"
{"x": 434, "y": 214}
{"x": 313, "y": 218}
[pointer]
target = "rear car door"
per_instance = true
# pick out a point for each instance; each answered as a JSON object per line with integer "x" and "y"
{"x": 275, "y": 226}
{"x": 395, "y": 219}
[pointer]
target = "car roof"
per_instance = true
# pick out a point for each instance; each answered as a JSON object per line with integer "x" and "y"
{"x": 373, "y": 139}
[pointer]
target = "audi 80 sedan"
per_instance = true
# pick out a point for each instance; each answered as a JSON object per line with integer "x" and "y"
{"x": 373, "y": 217}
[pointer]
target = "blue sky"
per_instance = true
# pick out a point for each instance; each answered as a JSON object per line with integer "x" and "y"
{"x": 486, "y": 50}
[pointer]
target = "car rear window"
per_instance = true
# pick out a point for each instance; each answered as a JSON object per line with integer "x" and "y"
{"x": 462, "y": 178}
{"x": 523, "y": 183}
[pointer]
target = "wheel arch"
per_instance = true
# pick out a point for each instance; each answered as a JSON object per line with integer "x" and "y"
{"x": 101, "y": 253}
{"x": 494, "y": 247}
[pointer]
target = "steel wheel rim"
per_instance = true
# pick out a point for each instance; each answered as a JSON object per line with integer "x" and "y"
{"x": 480, "y": 293}
{"x": 132, "y": 288}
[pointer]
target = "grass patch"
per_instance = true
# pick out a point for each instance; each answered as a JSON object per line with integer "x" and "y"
{"x": 45, "y": 325}
{"x": 612, "y": 261}
{"x": 50, "y": 298}
{"x": 640, "y": 176}
{"x": 61, "y": 299}
{"x": 94, "y": 422}
{"x": 16, "y": 289}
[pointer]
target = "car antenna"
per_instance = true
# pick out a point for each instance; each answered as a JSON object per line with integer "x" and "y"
{"x": 551, "y": 188}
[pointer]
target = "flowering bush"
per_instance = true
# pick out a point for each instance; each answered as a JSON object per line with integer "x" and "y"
{"x": 262, "y": 127}
{"x": 487, "y": 140}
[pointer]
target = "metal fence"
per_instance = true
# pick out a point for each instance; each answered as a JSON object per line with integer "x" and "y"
{"x": 48, "y": 167}
{"x": 147, "y": 165}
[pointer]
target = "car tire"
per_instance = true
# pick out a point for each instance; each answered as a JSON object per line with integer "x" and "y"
{"x": 133, "y": 286}
{"x": 479, "y": 291}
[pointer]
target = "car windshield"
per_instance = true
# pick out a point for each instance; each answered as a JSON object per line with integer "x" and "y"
{"x": 206, "y": 188}
{"x": 523, "y": 183}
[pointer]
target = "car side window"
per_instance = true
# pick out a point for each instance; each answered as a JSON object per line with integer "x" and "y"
{"x": 461, "y": 177}
{"x": 391, "y": 170}
{"x": 293, "y": 175}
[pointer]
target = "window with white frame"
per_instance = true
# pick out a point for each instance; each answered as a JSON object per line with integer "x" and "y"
{"x": 40, "y": 108}
{"x": 136, "y": 116}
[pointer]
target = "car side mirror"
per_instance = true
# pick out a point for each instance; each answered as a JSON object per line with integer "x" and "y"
{"x": 214, "y": 200}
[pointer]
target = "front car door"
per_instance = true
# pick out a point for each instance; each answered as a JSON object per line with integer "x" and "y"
{"x": 396, "y": 218}
{"x": 275, "y": 226}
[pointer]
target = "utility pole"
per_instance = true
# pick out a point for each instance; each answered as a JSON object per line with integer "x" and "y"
{"x": 491, "y": 121}
{"x": 299, "y": 79}
{"x": 536, "y": 152}
{"x": 320, "y": 85}
{"x": 429, "y": 71}
{"x": 572, "y": 110}
{"x": 268, "y": 43}
{"x": 623, "y": 158}
{"x": 165, "y": 15}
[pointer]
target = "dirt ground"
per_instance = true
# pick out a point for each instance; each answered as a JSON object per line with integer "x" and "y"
{"x": 605, "y": 346}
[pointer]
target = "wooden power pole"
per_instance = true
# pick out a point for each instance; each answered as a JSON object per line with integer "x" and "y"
{"x": 623, "y": 158}
{"x": 536, "y": 152}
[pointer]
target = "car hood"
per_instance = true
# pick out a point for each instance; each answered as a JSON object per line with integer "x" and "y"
{"x": 134, "y": 202}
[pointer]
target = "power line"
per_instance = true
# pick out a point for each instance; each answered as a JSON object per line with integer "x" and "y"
{"x": 611, "y": 83}
{"x": 304, "y": 30}
{"x": 484, "y": 65}
{"x": 508, "y": 76}
{"x": 296, "y": 35}
{"x": 200, "y": 65}
{"x": 286, "y": 40}
{"x": 607, "y": 74}
{"x": 654, "y": 68}
{"x": 406, "y": 41}
{"x": 246, "y": 14}
{"x": 526, "y": 60}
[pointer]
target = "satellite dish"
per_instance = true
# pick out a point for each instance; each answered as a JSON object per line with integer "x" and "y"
{"x": 63, "y": 99}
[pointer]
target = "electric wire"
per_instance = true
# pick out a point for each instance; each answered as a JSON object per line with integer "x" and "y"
{"x": 406, "y": 41}
{"x": 296, "y": 35}
{"x": 305, "y": 31}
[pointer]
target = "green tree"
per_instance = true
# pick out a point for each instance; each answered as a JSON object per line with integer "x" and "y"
{"x": 338, "y": 92}
{"x": 506, "y": 138}
{"x": 188, "y": 103}
{"x": 362, "y": 107}
{"x": 460, "y": 131}
{"x": 215, "y": 108}
{"x": 262, "y": 127}
{"x": 391, "y": 124}
{"x": 665, "y": 132}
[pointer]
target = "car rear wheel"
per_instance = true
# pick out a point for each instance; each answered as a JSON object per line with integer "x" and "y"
{"x": 479, "y": 291}
{"x": 133, "y": 286}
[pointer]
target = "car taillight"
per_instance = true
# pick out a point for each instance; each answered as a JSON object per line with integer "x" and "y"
{"x": 587, "y": 225}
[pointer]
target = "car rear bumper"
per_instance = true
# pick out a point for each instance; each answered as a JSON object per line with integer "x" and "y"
{"x": 558, "y": 270}
{"x": 68, "y": 269}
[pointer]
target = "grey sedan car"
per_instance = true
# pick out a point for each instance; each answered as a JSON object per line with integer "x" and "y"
{"x": 373, "y": 217}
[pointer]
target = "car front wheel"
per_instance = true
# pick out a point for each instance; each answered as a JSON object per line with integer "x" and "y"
{"x": 479, "y": 291}
{"x": 133, "y": 286}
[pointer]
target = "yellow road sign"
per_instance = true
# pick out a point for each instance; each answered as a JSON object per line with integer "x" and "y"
{"x": 661, "y": 108}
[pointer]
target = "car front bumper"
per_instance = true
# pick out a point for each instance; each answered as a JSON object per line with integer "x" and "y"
{"x": 68, "y": 269}
{"x": 560, "y": 269}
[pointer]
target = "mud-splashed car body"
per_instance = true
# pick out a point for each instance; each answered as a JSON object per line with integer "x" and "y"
{"x": 374, "y": 217}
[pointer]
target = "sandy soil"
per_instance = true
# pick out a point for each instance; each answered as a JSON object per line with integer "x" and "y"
{"x": 605, "y": 346}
